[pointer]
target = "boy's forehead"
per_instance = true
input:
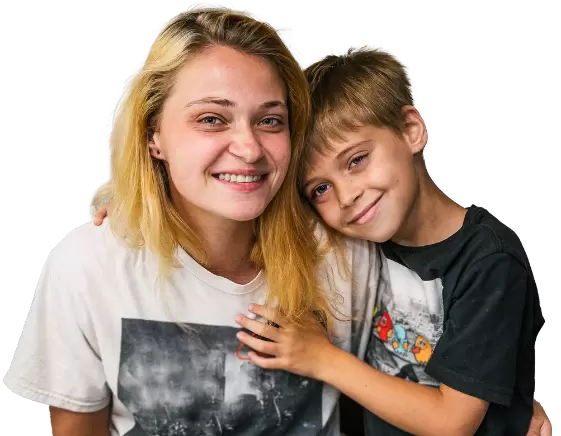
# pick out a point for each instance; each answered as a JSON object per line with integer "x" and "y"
{"x": 327, "y": 150}
{"x": 323, "y": 156}
{"x": 324, "y": 152}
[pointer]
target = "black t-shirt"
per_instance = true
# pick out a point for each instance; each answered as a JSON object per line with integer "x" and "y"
{"x": 463, "y": 312}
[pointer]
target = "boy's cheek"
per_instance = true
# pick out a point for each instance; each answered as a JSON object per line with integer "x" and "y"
{"x": 332, "y": 219}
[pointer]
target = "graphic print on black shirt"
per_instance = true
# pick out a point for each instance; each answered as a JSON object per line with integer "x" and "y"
{"x": 406, "y": 325}
{"x": 197, "y": 383}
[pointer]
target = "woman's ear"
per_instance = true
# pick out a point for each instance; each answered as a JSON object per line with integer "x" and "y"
{"x": 155, "y": 147}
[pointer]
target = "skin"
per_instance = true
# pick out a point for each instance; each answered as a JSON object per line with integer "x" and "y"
{"x": 66, "y": 423}
{"x": 374, "y": 185}
{"x": 227, "y": 113}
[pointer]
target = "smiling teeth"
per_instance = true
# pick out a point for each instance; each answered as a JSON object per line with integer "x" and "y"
{"x": 238, "y": 178}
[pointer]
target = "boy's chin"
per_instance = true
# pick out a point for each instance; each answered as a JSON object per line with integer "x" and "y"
{"x": 369, "y": 233}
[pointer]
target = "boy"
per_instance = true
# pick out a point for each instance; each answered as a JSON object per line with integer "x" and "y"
{"x": 452, "y": 350}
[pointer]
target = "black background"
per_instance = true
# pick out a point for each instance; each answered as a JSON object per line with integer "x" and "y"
{"x": 487, "y": 85}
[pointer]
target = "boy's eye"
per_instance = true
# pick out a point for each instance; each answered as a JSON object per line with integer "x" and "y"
{"x": 357, "y": 160}
{"x": 319, "y": 191}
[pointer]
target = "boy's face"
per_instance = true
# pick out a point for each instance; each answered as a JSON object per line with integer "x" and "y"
{"x": 365, "y": 186}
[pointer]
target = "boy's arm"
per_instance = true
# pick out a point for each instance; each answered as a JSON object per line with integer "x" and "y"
{"x": 100, "y": 196}
{"x": 475, "y": 360}
{"x": 410, "y": 406}
{"x": 307, "y": 351}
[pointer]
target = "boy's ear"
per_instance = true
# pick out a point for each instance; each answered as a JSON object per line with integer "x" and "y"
{"x": 414, "y": 129}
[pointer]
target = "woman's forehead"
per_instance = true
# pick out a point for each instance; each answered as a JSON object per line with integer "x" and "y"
{"x": 225, "y": 73}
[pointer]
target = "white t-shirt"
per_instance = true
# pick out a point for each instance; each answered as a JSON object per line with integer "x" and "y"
{"x": 102, "y": 328}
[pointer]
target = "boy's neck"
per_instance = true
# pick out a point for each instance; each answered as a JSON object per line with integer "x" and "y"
{"x": 433, "y": 218}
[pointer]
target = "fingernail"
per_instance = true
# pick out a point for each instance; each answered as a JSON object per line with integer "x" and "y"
{"x": 250, "y": 308}
{"x": 238, "y": 318}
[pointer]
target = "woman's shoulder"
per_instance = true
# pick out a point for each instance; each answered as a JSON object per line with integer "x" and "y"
{"x": 90, "y": 249}
{"x": 85, "y": 240}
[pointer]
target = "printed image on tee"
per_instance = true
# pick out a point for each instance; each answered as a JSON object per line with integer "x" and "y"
{"x": 197, "y": 380}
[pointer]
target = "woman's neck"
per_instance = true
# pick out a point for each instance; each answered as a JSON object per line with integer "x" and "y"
{"x": 228, "y": 249}
{"x": 227, "y": 244}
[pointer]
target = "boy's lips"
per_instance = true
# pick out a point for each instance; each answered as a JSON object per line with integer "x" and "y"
{"x": 366, "y": 214}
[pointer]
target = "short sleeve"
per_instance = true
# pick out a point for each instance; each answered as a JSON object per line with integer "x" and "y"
{"x": 477, "y": 352}
{"x": 54, "y": 362}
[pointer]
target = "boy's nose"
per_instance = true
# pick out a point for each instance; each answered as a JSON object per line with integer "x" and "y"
{"x": 348, "y": 196}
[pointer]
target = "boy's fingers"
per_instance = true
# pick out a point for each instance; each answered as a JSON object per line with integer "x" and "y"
{"x": 267, "y": 313}
{"x": 264, "y": 347}
{"x": 535, "y": 427}
{"x": 259, "y": 328}
{"x": 100, "y": 214}
{"x": 264, "y": 362}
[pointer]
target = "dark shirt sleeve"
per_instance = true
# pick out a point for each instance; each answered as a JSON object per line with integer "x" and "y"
{"x": 477, "y": 352}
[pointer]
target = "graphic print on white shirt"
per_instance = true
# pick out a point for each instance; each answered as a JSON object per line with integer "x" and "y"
{"x": 407, "y": 323}
{"x": 195, "y": 382}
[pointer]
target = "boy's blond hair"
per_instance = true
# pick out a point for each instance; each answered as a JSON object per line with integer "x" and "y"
{"x": 363, "y": 84}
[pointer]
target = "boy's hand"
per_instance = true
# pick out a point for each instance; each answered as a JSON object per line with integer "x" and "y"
{"x": 540, "y": 424}
{"x": 300, "y": 350}
{"x": 100, "y": 214}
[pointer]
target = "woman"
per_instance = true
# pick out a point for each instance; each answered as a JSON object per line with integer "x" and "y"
{"x": 132, "y": 327}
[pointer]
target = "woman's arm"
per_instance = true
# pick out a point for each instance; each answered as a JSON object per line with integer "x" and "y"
{"x": 67, "y": 423}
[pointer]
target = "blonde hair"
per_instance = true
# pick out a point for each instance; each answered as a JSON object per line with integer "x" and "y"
{"x": 141, "y": 209}
{"x": 362, "y": 87}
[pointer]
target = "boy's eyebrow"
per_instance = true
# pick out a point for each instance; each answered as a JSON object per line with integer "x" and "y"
{"x": 347, "y": 149}
{"x": 338, "y": 157}
{"x": 309, "y": 182}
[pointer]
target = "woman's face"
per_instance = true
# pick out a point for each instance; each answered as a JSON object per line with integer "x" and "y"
{"x": 224, "y": 136}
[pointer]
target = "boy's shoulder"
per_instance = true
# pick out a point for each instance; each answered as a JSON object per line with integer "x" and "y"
{"x": 481, "y": 238}
{"x": 485, "y": 235}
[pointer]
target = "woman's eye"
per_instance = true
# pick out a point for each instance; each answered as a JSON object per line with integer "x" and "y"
{"x": 270, "y": 122}
{"x": 210, "y": 120}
